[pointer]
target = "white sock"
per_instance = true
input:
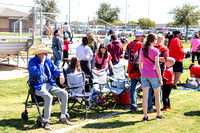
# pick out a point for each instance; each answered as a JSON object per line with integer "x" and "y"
{"x": 62, "y": 116}
{"x": 45, "y": 120}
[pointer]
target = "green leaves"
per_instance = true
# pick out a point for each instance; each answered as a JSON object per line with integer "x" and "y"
{"x": 146, "y": 22}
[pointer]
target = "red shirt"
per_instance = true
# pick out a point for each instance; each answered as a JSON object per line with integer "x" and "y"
{"x": 168, "y": 75}
{"x": 176, "y": 49}
{"x": 195, "y": 71}
{"x": 66, "y": 45}
{"x": 163, "y": 51}
{"x": 133, "y": 64}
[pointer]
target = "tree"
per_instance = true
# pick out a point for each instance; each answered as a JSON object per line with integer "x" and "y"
{"x": 186, "y": 15}
{"x": 132, "y": 23}
{"x": 172, "y": 24}
{"x": 107, "y": 13}
{"x": 146, "y": 22}
{"x": 49, "y": 6}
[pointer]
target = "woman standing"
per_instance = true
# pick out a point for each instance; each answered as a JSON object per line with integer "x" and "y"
{"x": 194, "y": 45}
{"x": 85, "y": 55}
{"x": 47, "y": 29}
{"x": 57, "y": 48}
{"x": 102, "y": 58}
{"x": 150, "y": 74}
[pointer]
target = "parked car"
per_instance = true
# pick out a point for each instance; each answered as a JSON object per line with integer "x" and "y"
{"x": 189, "y": 37}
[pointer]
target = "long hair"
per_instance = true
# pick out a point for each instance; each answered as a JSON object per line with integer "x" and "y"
{"x": 90, "y": 37}
{"x": 150, "y": 39}
{"x": 73, "y": 64}
{"x": 191, "y": 65}
{"x": 102, "y": 45}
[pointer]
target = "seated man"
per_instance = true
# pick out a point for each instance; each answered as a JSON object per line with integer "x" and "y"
{"x": 195, "y": 71}
{"x": 41, "y": 69}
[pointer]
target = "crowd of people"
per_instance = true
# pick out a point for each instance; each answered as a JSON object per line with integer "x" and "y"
{"x": 152, "y": 63}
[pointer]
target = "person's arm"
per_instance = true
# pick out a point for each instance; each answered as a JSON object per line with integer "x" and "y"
{"x": 89, "y": 50}
{"x": 191, "y": 47}
{"x": 158, "y": 69}
{"x": 126, "y": 53}
{"x": 192, "y": 72}
{"x": 140, "y": 64}
{"x": 93, "y": 66}
{"x": 34, "y": 69}
{"x": 179, "y": 47}
{"x": 60, "y": 43}
{"x": 109, "y": 61}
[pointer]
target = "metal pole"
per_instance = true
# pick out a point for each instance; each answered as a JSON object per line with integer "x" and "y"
{"x": 40, "y": 24}
{"x": 69, "y": 12}
{"x": 148, "y": 8}
{"x": 126, "y": 13}
{"x": 20, "y": 30}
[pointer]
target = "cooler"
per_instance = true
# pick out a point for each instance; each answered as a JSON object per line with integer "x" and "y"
{"x": 124, "y": 98}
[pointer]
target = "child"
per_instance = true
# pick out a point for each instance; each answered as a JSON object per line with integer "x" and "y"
{"x": 167, "y": 82}
{"x": 102, "y": 58}
{"x": 65, "y": 50}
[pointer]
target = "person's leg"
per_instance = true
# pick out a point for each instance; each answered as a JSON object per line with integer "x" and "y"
{"x": 55, "y": 58}
{"x": 193, "y": 56}
{"x": 145, "y": 100}
{"x": 47, "y": 101}
{"x": 133, "y": 95}
{"x": 198, "y": 59}
{"x": 169, "y": 88}
{"x": 63, "y": 95}
{"x": 164, "y": 93}
{"x": 69, "y": 33}
{"x": 157, "y": 100}
{"x": 176, "y": 78}
{"x": 150, "y": 106}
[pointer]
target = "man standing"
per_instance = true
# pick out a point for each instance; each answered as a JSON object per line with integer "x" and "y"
{"x": 177, "y": 52}
{"x": 132, "y": 54}
{"x": 115, "y": 49}
{"x": 41, "y": 69}
{"x": 107, "y": 39}
{"x": 68, "y": 30}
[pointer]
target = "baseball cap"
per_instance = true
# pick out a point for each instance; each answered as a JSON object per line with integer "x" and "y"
{"x": 139, "y": 33}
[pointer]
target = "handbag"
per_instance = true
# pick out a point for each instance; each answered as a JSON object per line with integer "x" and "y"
{"x": 97, "y": 65}
{"x": 192, "y": 83}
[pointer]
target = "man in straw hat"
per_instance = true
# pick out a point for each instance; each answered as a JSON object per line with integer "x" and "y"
{"x": 41, "y": 69}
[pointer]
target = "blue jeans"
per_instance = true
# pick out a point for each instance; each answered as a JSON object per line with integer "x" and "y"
{"x": 57, "y": 57}
{"x": 69, "y": 33}
{"x": 133, "y": 93}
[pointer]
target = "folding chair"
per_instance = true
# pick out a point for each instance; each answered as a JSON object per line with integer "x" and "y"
{"x": 102, "y": 86}
{"x": 76, "y": 86}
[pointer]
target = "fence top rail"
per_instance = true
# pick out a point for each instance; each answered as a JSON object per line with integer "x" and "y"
{"x": 16, "y": 37}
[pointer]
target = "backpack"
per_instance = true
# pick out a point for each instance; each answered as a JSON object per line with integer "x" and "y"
{"x": 191, "y": 83}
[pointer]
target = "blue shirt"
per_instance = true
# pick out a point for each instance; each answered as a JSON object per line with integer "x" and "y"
{"x": 36, "y": 70}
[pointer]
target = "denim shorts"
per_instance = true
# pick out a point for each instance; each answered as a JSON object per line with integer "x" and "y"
{"x": 147, "y": 82}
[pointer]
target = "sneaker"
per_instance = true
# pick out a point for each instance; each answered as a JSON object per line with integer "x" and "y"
{"x": 169, "y": 107}
{"x": 159, "y": 117}
{"x": 47, "y": 126}
{"x": 135, "y": 110}
{"x": 145, "y": 119}
{"x": 65, "y": 121}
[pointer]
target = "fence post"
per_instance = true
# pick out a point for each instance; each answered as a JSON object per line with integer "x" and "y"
{"x": 40, "y": 24}
{"x": 20, "y": 30}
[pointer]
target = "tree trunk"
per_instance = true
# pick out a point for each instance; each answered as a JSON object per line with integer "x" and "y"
{"x": 186, "y": 36}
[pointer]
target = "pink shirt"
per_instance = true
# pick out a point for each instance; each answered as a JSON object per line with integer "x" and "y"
{"x": 99, "y": 60}
{"x": 195, "y": 43}
{"x": 149, "y": 69}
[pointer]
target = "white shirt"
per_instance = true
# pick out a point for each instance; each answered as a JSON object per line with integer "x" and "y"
{"x": 68, "y": 28}
{"x": 107, "y": 40}
{"x": 84, "y": 52}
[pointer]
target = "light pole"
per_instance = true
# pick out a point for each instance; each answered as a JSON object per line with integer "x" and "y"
{"x": 148, "y": 9}
{"x": 69, "y": 12}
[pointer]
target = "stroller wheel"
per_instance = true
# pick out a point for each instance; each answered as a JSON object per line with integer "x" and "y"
{"x": 24, "y": 115}
{"x": 39, "y": 122}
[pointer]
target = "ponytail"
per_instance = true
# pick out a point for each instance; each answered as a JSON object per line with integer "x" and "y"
{"x": 150, "y": 39}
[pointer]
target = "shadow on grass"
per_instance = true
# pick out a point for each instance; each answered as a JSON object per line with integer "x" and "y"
{"x": 192, "y": 113}
{"x": 110, "y": 125}
{"x": 19, "y": 124}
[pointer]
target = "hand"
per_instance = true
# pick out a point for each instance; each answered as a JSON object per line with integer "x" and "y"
{"x": 62, "y": 78}
{"x": 42, "y": 58}
{"x": 161, "y": 83}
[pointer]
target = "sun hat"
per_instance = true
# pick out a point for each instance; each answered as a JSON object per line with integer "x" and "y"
{"x": 139, "y": 33}
{"x": 42, "y": 49}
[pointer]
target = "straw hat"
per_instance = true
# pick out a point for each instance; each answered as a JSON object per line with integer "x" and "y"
{"x": 42, "y": 49}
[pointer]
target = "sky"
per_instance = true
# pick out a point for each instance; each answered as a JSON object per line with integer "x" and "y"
{"x": 156, "y": 10}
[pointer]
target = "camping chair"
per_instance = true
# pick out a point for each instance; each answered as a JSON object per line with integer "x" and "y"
{"x": 102, "y": 86}
{"x": 76, "y": 86}
{"x": 120, "y": 79}
{"x": 36, "y": 100}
